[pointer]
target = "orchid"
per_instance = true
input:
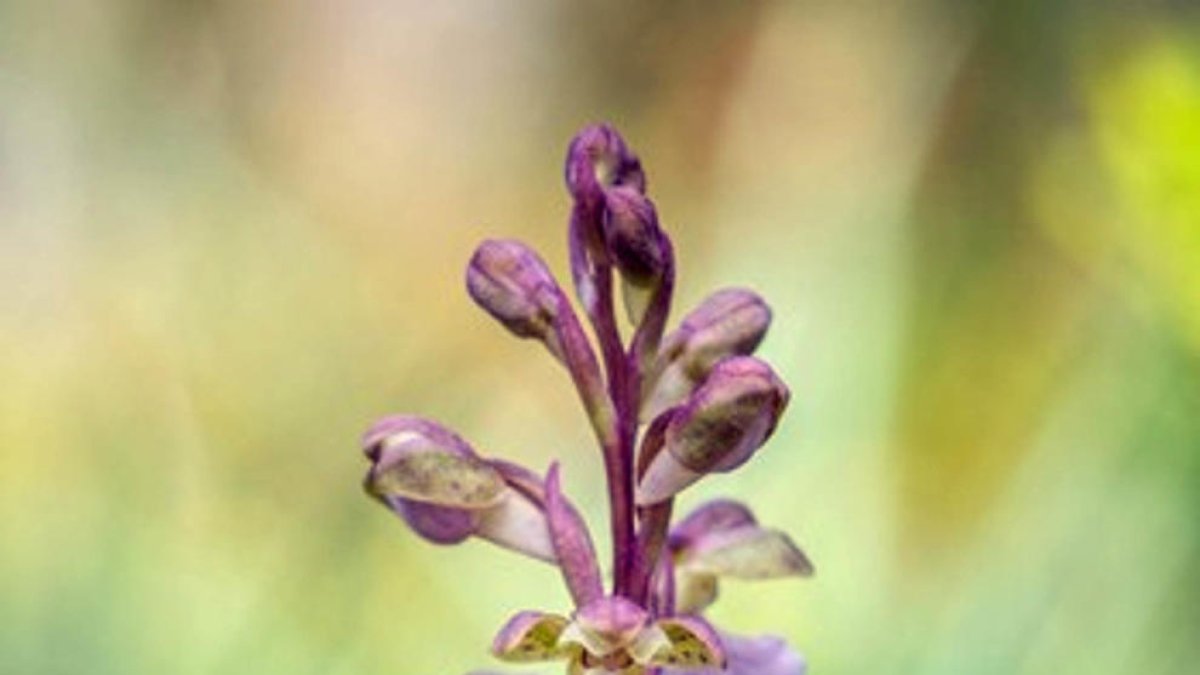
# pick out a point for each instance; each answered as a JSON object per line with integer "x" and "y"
{"x": 667, "y": 411}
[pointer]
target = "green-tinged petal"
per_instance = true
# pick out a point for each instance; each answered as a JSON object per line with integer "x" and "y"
{"x": 748, "y": 553}
{"x": 443, "y": 478}
{"x": 692, "y": 643}
{"x": 650, "y": 641}
{"x": 531, "y": 636}
{"x": 694, "y": 590}
{"x": 517, "y": 524}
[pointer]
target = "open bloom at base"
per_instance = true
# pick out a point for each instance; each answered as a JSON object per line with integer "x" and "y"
{"x": 710, "y": 407}
{"x": 610, "y": 635}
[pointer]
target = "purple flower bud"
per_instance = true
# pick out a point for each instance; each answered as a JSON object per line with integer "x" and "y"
{"x": 509, "y": 281}
{"x": 632, "y": 236}
{"x": 729, "y": 322}
{"x": 435, "y": 482}
{"x": 722, "y": 424}
{"x": 640, "y": 251}
{"x": 598, "y": 159}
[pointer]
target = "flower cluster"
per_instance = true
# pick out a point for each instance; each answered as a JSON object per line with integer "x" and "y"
{"x": 666, "y": 411}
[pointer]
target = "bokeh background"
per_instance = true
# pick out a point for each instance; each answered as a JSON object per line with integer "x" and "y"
{"x": 232, "y": 234}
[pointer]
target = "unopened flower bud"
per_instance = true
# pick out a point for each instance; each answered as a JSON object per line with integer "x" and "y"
{"x": 729, "y": 322}
{"x": 435, "y": 482}
{"x": 510, "y": 282}
{"x": 636, "y": 245}
{"x": 632, "y": 236}
{"x": 598, "y": 159}
{"x": 722, "y": 424}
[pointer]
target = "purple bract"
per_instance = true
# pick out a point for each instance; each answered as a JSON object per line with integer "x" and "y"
{"x": 666, "y": 411}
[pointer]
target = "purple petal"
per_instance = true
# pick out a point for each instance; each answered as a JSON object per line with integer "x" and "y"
{"x": 713, "y": 516}
{"x": 436, "y": 524}
{"x": 572, "y": 543}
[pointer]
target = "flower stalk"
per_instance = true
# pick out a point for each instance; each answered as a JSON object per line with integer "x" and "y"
{"x": 710, "y": 407}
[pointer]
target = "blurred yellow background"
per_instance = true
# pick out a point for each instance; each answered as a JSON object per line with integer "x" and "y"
{"x": 233, "y": 234}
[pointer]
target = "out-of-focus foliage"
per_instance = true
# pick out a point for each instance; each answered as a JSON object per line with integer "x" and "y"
{"x": 232, "y": 234}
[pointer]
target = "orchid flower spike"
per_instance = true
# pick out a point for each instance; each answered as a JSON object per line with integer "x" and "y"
{"x": 710, "y": 404}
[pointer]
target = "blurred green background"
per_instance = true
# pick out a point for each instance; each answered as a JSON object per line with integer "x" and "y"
{"x": 232, "y": 234}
